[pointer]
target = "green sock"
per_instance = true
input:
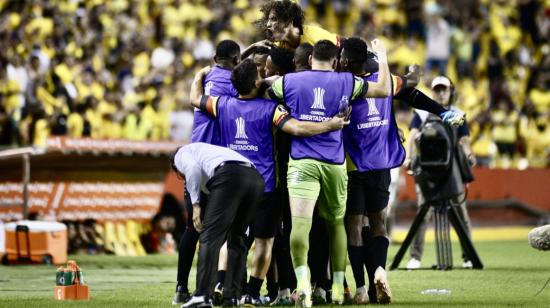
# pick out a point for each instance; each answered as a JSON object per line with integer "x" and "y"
{"x": 299, "y": 240}
{"x": 338, "y": 244}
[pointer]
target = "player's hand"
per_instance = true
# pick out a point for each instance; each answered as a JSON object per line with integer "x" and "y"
{"x": 262, "y": 44}
{"x": 453, "y": 118}
{"x": 197, "y": 217}
{"x": 472, "y": 160}
{"x": 338, "y": 122}
{"x": 380, "y": 49}
{"x": 413, "y": 75}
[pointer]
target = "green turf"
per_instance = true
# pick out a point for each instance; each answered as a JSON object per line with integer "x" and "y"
{"x": 513, "y": 274}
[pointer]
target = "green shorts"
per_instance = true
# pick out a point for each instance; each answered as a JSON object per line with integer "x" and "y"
{"x": 324, "y": 182}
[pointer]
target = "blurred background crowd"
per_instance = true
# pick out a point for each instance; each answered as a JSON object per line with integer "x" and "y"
{"x": 112, "y": 69}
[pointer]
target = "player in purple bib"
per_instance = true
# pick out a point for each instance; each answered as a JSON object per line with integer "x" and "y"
{"x": 216, "y": 83}
{"x": 316, "y": 169}
{"x": 246, "y": 124}
{"x": 374, "y": 147}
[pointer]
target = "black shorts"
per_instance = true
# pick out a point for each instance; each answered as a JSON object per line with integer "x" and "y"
{"x": 267, "y": 220}
{"x": 368, "y": 192}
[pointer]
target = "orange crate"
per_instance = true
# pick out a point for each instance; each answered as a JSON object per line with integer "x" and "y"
{"x": 74, "y": 292}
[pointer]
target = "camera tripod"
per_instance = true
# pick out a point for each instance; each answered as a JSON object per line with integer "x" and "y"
{"x": 444, "y": 211}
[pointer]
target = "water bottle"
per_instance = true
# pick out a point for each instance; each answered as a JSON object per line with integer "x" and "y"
{"x": 79, "y": 275}
{"x": 436, "y": 292}
{"x": 343, "y": 107}
{"x": 59, "y": 276}
{"x": 68, "y": 277}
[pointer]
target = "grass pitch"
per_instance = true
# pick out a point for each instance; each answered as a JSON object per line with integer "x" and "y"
{"x": 513, "y": 274}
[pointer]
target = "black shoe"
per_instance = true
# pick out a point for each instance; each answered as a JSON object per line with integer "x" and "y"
{"x": 230, "y": 302}
{"x": 180, "y": 298}
{"x": 250, "y": 301}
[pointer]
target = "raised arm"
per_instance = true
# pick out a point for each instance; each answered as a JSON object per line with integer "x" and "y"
{"x": 196, "y": 91}
{"x": 264, "y": 45}
{"x": 382, "y": 87}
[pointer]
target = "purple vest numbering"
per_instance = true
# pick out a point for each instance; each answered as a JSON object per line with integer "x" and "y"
{"x": 371, "y": 139}
{"x": 217, "y": 83}
{"x": 246, "y": 127}
{"x": 315, "y": 96}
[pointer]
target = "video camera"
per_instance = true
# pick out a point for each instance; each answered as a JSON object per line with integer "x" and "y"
{"x": 436, "y": 169}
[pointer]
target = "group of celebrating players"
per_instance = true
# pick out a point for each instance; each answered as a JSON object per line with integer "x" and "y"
{"x": 312, "y": 113}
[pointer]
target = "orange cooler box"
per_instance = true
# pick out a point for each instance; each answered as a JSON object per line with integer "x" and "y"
{"x": 36, "y": 242}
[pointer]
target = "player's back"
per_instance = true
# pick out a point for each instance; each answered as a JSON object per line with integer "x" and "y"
{"x": 246, "y": 127}
{"x": 371, "y": 139}
{"x": 216, "y": 83}
{"x": 316, "y": 96}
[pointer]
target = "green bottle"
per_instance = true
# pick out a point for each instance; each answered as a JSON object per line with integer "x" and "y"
{"x": 80, "y": 277}
{"x": 59, "y": 279}
{"x": 69, "y": 278}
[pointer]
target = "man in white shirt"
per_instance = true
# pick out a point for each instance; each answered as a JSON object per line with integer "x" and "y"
{"x": 235, "y": 189}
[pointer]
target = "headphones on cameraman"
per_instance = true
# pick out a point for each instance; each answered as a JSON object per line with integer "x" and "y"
{"x": 446, "y": 81}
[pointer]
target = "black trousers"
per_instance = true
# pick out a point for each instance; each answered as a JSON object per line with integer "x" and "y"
{"x": 188, "y": 242}
{"x": 235, "y": 191}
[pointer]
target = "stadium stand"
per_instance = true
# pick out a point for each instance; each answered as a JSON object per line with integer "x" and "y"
{"x": 114, "y": 70}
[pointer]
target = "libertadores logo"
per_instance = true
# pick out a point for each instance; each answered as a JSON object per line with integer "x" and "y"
{"x": 318, "y": 97}
{"x": 241, "y": 134}
{"x": 372, "y": 107}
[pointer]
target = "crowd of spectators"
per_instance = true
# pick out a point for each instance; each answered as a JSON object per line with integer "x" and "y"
{"x": 114, "y": 69}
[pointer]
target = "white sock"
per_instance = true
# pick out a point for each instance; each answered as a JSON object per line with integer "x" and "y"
{"x": 301, "y": 273}
{"x": 338, "y": 278}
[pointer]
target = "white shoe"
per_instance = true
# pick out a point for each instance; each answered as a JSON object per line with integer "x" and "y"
{"x": 467, "y": 264}
{"x": 303, "y": 291}
{"x": 413, "y": 264}
{"x": 361, "y": 296}
{"x": 197, "y": 302}
{"x": 383, "y": 291}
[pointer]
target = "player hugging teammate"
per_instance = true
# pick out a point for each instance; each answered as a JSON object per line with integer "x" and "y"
{"x": 283, "y": 106}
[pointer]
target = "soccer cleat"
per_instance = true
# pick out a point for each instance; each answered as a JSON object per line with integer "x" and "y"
{"x": 180, "y": 298}
{"x": 281, "y": 301}
{"x": 337, "y": 294}
{"x": 217, "y": 298}
{"x": 348, "y": 298}
{"x": 250, "y": 301}
{"x": 303, "y": 299}
{"x": 319, "y": 296}
{"x": 453, "y": 117}
{"x": 197, "y": 302}
{"x": 413, "y": 264}
{"x": 383, "y": 291}
{"x": 467, "y": 264}
{"x": 303, "y": 292}
{"x": 361, "y": 296}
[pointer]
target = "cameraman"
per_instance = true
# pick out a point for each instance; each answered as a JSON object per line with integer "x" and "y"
{"x": 444, "y": 93}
